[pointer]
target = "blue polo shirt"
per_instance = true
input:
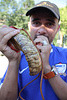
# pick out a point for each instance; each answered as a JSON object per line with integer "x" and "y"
{"x": 58, "y": 58}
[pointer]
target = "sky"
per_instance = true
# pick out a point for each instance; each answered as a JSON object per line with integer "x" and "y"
{"x": 59, "y": 3}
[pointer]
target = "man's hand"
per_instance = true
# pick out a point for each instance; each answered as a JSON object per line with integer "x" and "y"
{"x": 44, "y": 47}
{"x": 6, "y": 33}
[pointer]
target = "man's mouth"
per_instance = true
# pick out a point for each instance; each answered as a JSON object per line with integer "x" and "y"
{"x": 41, "y": 35}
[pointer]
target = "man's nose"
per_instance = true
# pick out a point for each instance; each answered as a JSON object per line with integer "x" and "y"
{"x": 42, "y": 29}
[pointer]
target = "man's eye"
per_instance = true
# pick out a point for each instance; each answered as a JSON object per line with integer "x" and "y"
{"x": 49, "y": 24}
{"x": 36, "y": 24}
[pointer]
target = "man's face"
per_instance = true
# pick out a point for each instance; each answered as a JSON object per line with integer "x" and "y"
{"x": 42, "y": 23}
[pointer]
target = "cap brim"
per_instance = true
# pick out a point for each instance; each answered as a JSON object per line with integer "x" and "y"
{"x": 31, "y": 11}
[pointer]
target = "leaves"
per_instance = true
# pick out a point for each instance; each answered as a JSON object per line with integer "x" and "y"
{"x": 63, "y": 26}
{"x": 13, "y": 13}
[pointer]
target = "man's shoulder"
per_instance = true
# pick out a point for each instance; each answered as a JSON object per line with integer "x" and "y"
{"x": 59, "y": 49}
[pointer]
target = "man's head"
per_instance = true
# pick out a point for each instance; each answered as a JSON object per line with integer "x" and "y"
{"x": 45, "y": 5}
{"x": 44, "y": 18}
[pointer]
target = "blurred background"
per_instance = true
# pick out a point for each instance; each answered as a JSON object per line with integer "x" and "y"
{"x": 12, "y": 13}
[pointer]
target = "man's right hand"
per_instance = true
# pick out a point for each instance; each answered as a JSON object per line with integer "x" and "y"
{"x": 6, "y": 33}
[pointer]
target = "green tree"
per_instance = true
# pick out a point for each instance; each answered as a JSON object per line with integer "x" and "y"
{"x": 63, "y": 13}
{"x": 63, "y": 26}
{"x": 14, "y": 13}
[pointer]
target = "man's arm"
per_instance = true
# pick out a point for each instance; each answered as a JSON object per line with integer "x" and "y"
{"x": 57, "y": 83}
{"x": 9, "y": 88}
{"x": 59, "y": 87}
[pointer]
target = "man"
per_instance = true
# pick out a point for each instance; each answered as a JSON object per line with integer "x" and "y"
{"x": 43, "y": 27}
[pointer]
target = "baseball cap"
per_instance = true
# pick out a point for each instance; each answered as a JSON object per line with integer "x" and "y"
{"x": 45, "y": 5}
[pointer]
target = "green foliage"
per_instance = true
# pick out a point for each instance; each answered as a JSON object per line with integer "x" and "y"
{"x": 13, "y": 13}
{"x": 63, "y": 13}
{"x": 63, "y": 24}
{"x": 65, "y": 40}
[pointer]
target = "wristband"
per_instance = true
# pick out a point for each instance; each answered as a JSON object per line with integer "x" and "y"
{"x": 51, "y": 74}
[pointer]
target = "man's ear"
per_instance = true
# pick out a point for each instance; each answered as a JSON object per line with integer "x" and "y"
{"x": 29, "y": 26}
{"x": 58, "y": 28}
